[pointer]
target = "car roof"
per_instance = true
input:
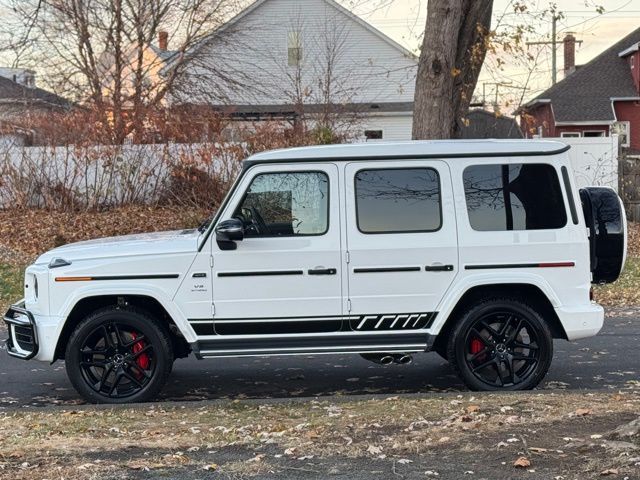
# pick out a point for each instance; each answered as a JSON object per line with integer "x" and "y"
{"x": 412, "y": 150}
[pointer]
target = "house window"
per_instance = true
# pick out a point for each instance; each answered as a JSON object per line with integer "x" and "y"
{"x": 373, "y": 135}
{"x": 570, "y": 134}
{"x": 593, "y": 133}
{"x": 623, "y": 130}
{"x": 295, "y": 49}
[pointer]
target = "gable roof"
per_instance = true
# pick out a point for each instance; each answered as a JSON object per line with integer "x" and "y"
{"x": 587, "y": 94}
{"x": 13, "y": 92}
{"x": 484, "y": 124}
{"x": 258, "y": 3}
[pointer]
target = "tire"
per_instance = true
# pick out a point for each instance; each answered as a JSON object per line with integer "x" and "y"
{"x": 491, "y": 357}
{"x": 119, "y": 355}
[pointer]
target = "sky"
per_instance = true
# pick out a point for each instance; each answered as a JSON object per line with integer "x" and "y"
{"x": 403, "y": 20}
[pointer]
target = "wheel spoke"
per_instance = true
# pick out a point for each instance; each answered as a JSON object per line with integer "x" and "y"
{"x": 530, "y": 346}
{"x": 479, "y": 336}
{"x": 105, "y": 375}
{"x": 493, "y": 332}
{"x": 132, "y": 378}
{"x": 479, "y": 354}
{"x": 115, "y": 383}
{"x": 525, "y": 358}
{"x": 134, "y": 341}
{"x": 144, "y": 350}
{"x": 505, "y": 327}
{"x": 118, "y": 335}
{"x": 514, "y": 334}
{"x": 94, "y": 363}
{"x": 483, "y": 365}
{"x": 139, "y": 369}
{"x": 108, "y": 339}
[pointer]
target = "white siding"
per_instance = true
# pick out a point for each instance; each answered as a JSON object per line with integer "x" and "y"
{"x": 364, "y": 67}
{"x": 394, "y": 127}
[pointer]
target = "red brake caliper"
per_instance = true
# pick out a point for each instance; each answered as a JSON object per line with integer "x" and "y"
{"x": 143, "y": 361}
{"x": 476, "y": 346}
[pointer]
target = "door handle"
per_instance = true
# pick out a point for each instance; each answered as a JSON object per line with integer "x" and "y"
{"x": 438, "y": 268}
{"x": 322, "y": 271}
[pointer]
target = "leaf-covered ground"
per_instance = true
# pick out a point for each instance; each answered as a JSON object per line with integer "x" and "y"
{"x": 10, "y": 285}
{"x": 528, "y": 435}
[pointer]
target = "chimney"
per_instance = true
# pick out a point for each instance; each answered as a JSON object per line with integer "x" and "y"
{"x": 569, "y": 54}
{"x": 163, "y": 40}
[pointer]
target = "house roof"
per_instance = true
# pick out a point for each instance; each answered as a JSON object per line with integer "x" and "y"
{"x": 311, "y": 108}
{"x": 258, "y": 3}
{"x": 484, "y": 124}
{"x": 587, "y": 94}
{"x": 12, "y": 92}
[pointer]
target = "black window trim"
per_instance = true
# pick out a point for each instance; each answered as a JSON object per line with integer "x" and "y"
{"x": 569, "y": 193}
{"x": 566, "y": 218}
{"x": 390, "y": 232}
{"x": 285, "y": 172}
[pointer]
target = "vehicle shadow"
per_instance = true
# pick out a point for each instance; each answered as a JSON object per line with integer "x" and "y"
{"x": 306, "y": 376}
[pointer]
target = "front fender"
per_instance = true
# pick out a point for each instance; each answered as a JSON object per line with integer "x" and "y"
{"x": 158, "y": 294}
{"x": 458, "y": 290}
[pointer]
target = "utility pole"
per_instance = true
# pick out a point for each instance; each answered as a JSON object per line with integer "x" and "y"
{"x": 554, "y": 44}
{"x": 497, "y": 86}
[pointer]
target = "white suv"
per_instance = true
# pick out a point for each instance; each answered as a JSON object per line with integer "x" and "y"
{"x": 483, "y": 251}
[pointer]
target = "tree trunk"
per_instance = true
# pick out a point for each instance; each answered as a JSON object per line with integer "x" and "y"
{"x": 453, "y": 51}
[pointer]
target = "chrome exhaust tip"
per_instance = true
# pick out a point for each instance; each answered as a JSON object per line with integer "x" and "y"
{"x": 386, "y": 360}
{"x": 379, "y": 358}
{"x": 404, "y": 359}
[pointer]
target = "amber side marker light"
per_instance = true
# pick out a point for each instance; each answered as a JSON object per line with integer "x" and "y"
{"x": 74, "y": 279}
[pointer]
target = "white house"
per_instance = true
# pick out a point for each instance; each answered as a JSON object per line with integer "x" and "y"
{"x": 283, "y": 58}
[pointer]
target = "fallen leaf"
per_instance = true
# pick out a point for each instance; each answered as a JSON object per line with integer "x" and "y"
{"x": 522, "y": 462}
{"x": 374, "y": 450}
{"x": 609, "y": 471}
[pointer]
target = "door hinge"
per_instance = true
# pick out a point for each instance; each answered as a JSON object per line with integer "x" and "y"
{"x": 347, "y": 256}
{"x": 349, "y": 305}
{"x": 211, "y": 261}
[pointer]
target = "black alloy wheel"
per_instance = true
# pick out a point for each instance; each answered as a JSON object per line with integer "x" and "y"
{"x": 119, "y": 355}
{"x": 501, "y": 345}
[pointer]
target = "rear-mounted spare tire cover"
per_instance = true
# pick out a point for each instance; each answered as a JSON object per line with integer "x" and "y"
{"x": 606, "y": 220}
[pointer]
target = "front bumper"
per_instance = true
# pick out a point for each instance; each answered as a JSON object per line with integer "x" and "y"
{"x": 23, "y": 335}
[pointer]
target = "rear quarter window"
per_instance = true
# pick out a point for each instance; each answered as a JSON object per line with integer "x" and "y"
{"x": 520, "y": 196}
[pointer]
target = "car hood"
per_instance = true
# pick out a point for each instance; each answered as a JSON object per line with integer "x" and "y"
{"x": 157, "y": 243}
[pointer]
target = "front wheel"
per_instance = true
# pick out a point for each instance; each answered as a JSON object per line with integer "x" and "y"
{"x": 119, "y": 355}
{"x": 501, "y": 344}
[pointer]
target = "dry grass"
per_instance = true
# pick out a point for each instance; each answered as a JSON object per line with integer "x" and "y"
{"x": 266, "y": 437}
{"x": 32, "y": 232}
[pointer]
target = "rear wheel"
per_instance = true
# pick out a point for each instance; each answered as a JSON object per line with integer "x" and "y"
{"x": 501, "y": 344}
{"x": 119, "y": 355}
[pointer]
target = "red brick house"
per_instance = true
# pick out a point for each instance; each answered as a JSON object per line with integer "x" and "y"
{"x": 597, "y": 99}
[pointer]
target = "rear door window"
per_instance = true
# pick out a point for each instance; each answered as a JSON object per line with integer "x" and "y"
{"x": 398, "y": 200}
{"x": 514, "y": 197}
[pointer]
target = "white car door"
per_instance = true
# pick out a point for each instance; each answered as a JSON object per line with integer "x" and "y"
{"x": 401, "y": 242}
{"x": 286, "y": 274}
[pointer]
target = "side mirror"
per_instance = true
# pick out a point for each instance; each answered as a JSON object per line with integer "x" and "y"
{"x": 228, "y": 232}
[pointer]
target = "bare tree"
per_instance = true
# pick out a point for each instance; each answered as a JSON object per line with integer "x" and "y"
{"x": 453, "y": 50}
{"x": 103, "y": 52}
